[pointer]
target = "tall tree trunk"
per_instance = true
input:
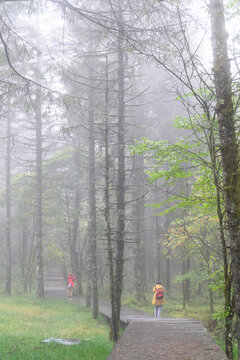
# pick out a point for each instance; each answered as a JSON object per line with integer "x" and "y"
{"x": 75, "y": 258}
{"x": 227, "y": 272}
{"x": 210, "y": 290}
{"x": 168, "y": 257}
{"x": 168, "y": 271}
{"x": 188, "y": 284}
{"x": 158, "y": 240}
{"x": 184, "y": 282}
{"x": 38, "y": 114}
{"x": 73, "y": 226}
{"x": 121, "y": 169}
{"x": 74, "y": 236}
{"x": 8, "y": 277}
{"x": 139, "y": 229}
{"x": 113, "y": 324}
{"x": 89, "y": 275}
{"x": 39, "y": 273}
{"x": 229, "y": 144}
{"x": 23, "y": 240}
{"x": 92, "y": 207}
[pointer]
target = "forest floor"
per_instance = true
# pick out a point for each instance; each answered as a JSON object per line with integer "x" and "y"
{"x": 146, "y": 338}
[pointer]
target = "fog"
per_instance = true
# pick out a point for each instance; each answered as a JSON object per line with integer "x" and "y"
{"x": 108, "y": 118}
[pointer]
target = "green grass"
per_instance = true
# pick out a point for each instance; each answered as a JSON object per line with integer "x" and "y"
{"x": 222, "y": 344}
{"x": 25, "y": 322}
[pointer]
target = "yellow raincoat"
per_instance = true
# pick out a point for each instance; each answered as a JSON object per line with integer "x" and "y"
{"x": 155, "y": 301}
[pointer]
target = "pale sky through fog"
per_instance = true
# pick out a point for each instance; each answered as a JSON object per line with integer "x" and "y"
{"x": 52, "y": 24}
{"x": 53, "y": 31}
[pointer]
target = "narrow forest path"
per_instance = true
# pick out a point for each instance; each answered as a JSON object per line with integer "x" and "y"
{"x": 55, "y": 286}
{"x": 146, "y": 338}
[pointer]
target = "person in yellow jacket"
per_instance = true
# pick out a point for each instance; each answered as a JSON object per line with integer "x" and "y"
{"x": 158, "y": 299}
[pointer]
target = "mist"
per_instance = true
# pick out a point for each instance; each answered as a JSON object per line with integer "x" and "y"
{"x": 112, "y": 162}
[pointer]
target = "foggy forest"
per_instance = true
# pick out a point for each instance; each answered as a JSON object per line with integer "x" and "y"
{"x": 120, "y": 157}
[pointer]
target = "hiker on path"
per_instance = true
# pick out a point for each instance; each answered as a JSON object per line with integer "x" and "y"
{"x": 71, "y": 279}
{"x": 158, "y": 299}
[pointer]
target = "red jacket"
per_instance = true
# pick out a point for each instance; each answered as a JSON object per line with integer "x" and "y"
{"x": 71, "y": 279}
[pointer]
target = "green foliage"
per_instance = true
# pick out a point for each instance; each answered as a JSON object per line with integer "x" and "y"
{"x": 190, "y": 275}
{"x": 223, "y": 313}
{"x": 186, "y": 158}
{"x": 206, "y": 93}
{"x": 25, "y": 322}
{"x": 233, "y": 5}
{"x": 217, "y": 278}
{"x": 183, "y": 123}
{"x": 53, "y": 252}
{"x": 188, "y": 161}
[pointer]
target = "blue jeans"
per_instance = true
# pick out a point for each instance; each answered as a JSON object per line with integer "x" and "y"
{"x": 157, "y": 311}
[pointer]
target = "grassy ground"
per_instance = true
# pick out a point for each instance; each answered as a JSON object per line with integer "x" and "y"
{"x": 25, "y": 322}
{"x": 235, "y": 347}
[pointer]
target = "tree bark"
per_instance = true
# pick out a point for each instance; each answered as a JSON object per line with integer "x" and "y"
{"x": 139, "y": 229}
{"x": 168, "y": 257}
{"x": 226, "y": 268}
{"x": 75, "y": 258}
{"x": 228, "y": 143}
{"x": 121, "y": 169}
{"x": 92, "y": 208}
{"x": 39, "y": 185}
{"x": 8, "y": 277}
{"x": 23, "y": 240}
{"x": 40, "y": 286}
{"x": 158, "y": 232}
{"x": 113, "y": 324}
{"x": 188, "y": 283}
{"x": 184, "y": 282}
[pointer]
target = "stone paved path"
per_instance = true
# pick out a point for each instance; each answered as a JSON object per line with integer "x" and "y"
{"x": 146, "y": 338}
{"x": 166, "y": 340}
{"x": 55, "y": 286}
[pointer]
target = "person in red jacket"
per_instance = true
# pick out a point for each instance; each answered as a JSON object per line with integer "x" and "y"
{"x": 71, "y": 279}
